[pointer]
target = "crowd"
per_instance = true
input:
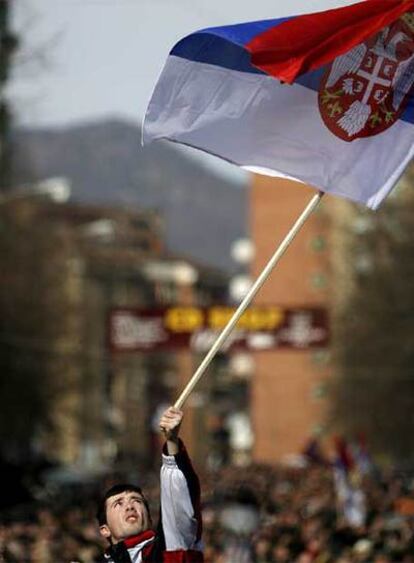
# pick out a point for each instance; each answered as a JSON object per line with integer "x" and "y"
{"x": 299, "y": 519}
{"x": 254, "y": 514}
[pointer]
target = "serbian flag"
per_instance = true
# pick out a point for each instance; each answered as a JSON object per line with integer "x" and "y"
{"x": 351, "y": 500}
{"x": 324, "y": 98}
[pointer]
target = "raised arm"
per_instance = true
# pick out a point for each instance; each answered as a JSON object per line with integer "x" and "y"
{"x": 180, "y": 494}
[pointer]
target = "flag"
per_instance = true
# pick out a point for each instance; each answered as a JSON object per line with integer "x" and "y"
{"x": 344, "y": 125}
{"x": 351, "y": 500}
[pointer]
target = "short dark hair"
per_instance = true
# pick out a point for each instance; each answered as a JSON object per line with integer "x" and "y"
{"x": 117, "y": 490}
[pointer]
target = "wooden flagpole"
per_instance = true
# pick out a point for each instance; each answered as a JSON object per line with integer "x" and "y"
{"x": 248, "y": 299}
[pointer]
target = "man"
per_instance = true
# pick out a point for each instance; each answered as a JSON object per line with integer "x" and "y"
{"x": 125, "y": 521}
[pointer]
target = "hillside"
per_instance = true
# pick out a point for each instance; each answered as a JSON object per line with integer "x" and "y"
{"x": 203, "y": 212}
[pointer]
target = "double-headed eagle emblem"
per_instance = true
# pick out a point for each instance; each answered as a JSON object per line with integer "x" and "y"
{"x": 367, "y": 89}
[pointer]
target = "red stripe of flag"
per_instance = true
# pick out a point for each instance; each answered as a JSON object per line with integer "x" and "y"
{"x": 310, "y": 41}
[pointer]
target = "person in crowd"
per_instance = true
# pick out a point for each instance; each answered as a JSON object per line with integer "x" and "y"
{"x": 124, "y": 517}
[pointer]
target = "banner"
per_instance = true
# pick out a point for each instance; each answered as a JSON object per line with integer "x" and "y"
{"x": 196, "y": 328}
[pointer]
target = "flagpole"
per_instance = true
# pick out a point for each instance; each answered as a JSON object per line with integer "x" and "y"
{"x": 248, "y": 299}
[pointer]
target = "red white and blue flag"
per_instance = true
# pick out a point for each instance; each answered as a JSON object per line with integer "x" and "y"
{"x": 347, "y": 476}
{"x": 325, "y": 98}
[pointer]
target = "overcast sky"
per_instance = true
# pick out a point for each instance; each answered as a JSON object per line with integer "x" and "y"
{"x": 101, "y": 58}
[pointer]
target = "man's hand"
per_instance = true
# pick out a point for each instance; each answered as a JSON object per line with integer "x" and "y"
{"x": 170, "y": 423}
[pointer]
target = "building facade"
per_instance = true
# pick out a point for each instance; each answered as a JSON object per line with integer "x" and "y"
{"x": 288, "y": 389}
{"x": 105, "y": 409}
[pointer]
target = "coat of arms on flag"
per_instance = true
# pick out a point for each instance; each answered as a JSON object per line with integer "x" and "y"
{"x": 366, "y": 90}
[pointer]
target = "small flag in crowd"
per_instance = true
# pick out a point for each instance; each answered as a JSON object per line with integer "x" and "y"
{"x": 346, "y": 123}
{"x": 351, "y": 501}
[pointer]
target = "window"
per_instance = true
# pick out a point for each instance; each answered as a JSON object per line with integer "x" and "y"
{"x": 318, "y": 244}
{"x": 319, "y": 281}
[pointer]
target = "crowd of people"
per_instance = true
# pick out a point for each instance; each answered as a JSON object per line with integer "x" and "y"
{"x": 50, "y": 535}
{"x": 254, "y": 514}
{"x": 300, "y": 519}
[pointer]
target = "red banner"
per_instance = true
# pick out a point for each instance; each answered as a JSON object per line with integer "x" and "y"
{"x": 196, "y": 328}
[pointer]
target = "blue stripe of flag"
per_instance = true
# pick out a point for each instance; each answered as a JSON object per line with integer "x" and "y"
{"x": 212, "y": 49}
{"x": 243, "y": 33}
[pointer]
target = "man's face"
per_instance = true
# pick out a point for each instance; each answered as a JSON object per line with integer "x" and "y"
{"x": 126, "y": 515}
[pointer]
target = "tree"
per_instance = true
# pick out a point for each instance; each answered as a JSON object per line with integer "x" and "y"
{"x": 34, "y": 314}
{"x": 8, "y": 46}
{"x": 373, "y": 326}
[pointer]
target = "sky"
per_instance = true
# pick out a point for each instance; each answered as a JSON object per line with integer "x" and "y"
{"x": 84, "y": 60}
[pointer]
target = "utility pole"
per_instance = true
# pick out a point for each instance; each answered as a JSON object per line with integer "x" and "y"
{"x": 8, "y": 45}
